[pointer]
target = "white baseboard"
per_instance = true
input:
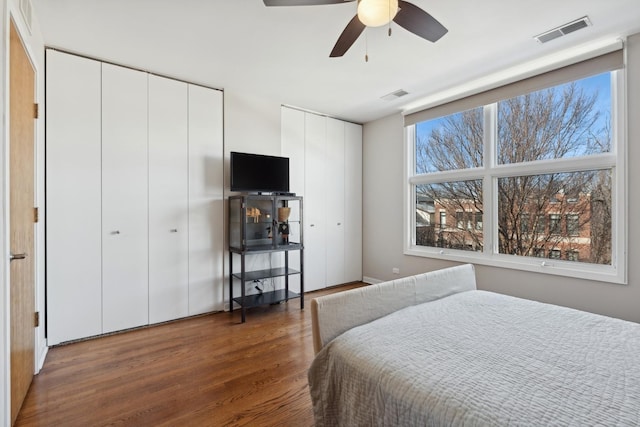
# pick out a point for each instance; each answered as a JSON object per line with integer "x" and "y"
{"x": 371, "y": 280}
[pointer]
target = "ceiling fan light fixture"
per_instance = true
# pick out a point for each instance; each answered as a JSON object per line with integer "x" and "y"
{"x": 375, "y": 13}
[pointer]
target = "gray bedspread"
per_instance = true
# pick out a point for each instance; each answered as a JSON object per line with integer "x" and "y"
{"x": 480, "y": 359}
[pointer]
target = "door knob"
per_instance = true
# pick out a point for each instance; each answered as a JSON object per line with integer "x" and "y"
{"x": 17, "y": 256}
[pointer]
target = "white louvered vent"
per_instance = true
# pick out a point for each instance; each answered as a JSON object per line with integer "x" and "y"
{"x": 27, "y": 13}
{"x": 395, "y": 95}
{"x": 563, "y": 30}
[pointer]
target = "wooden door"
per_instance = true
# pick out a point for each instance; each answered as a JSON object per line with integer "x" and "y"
{"x": 21, "y": 199}
{"x": 125, "y": 266}
{"x": 168, "y": 204}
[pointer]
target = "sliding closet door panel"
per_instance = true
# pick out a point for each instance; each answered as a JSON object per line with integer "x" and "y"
{"x": 315, "y": 203}
{"x": 125, "y": 287}
{"x": 353, "y": 202}
{"x": 74, "y": 308}
{"x": 335, "y": 201}
{"x": 206, "y": 200}
{"x": 168, "y": 202}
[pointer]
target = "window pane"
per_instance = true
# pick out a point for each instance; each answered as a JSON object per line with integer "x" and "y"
{"x": 461, "y": 201}
{"x": 450, "y": 142}
{"x": 569, "y": 120}
{"x": 576, "y": 205}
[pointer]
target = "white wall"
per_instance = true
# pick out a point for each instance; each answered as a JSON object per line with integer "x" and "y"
{"x": 250, "y": 125}
{"x": 35, "y": 49}
{"x": 383, "y": 222}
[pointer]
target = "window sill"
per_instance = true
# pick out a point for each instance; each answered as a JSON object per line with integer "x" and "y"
{"x": 601, "y": 273}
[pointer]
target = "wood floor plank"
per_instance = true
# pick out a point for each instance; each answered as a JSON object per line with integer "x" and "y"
{"x": 205, "y": 371}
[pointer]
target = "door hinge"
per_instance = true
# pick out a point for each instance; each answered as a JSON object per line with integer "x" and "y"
{"x": 36, "y": 110}
{"x": 36, "y": 214}
{"x": 36, "y": 319}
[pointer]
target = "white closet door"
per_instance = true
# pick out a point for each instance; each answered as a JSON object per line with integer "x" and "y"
{"x": 335, "y": 199}
{"x": 353, "y": 202}
{"x": 125, "y": 289}
{"x": 315, "y": 203}
{"x": 292, "y": 125}
{"x": 206, "y": 200}
{"x": 74, "y": 308}
{"x": 168, "y": 200}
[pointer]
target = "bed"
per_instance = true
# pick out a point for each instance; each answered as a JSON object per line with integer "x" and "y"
{"x": 431, "y": 350}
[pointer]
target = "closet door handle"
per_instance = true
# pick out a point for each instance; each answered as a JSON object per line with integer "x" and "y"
{"x": 173, "y": 230}
{"x": 115, "y": 232}
{"x": 13, "y": 257}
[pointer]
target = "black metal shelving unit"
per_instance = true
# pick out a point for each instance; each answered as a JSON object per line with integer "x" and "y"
{"x": 257, "y": 225}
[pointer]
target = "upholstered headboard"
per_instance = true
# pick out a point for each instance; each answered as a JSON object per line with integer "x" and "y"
{"x": 336, "y": 313}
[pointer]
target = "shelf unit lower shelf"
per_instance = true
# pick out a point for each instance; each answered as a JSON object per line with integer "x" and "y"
{"x": 264, "y": 274}
{"x": 266, "y": 298}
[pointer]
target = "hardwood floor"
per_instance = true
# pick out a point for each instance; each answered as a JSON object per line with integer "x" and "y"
{"x": 205, "y": 371}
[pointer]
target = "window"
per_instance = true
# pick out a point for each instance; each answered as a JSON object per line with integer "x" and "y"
{"x": 478, "y": 220}
{"x": 443, "y": 219}
{"x": 544, "y": 165}
{"x": 460, "y": 220}
{"x": 554, "y": 223}
{"x": 572, "y": 255}
{"x": 573, "y": 225}
{"x": 541, "y": 224}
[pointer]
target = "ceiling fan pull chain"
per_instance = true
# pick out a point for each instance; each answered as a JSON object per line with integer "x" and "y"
{"x": 366, "y": 46}
{"x": 390, "y": 18}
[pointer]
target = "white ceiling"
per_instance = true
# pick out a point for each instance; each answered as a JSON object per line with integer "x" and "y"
{"x": 282, "y": 53}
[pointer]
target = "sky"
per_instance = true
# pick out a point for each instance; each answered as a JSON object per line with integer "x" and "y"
{"x": 600, "y": 83}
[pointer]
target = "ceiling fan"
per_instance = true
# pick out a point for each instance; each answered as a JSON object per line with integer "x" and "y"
{"x": 375, "y": 13}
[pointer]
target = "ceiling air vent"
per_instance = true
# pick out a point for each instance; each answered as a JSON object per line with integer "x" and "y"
{"x": 395, "y": 95}
{"x": 563, "y": 30}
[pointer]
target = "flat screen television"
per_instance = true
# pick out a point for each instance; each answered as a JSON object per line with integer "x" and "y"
{"x": 257, "y": 173}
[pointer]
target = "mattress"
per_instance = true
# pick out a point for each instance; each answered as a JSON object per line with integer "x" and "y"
{"x": 478, "y": 358}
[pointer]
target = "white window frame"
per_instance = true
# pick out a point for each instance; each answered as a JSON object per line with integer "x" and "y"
{"x": 491, "y": 172}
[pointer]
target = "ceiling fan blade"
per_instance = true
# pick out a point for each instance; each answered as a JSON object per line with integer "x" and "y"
{"x": 350, "y": 34}
{"x": 302, "y": 2}
{"x": 419, "y": 22}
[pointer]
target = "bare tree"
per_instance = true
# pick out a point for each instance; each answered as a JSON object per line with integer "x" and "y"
{"x": 537, "y": 214}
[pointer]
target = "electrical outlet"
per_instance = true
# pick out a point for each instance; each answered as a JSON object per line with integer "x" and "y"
{"x": 395, "y": 270}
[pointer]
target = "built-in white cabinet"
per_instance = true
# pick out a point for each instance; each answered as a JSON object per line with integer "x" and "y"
{"x": 134, "y": 198}
{"x": 330, "y": 180}
{"x": 353, "y": 202}
{"x": 315, "y": 224}
{"x": 206, "y": 200}
{"x": 168, "y": 200}
{"x": 335, "y": 200}
{"x": 124, "y": 199}
{"x": 73, "y": 205}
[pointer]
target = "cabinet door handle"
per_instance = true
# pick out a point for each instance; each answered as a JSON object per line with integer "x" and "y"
{"x": 339, "y": 223}
{"x": 173, "y": 230}
{"x": 115, "y": 232}
{"x": 312, "y": 225}
{"x": 13, "y": 257}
